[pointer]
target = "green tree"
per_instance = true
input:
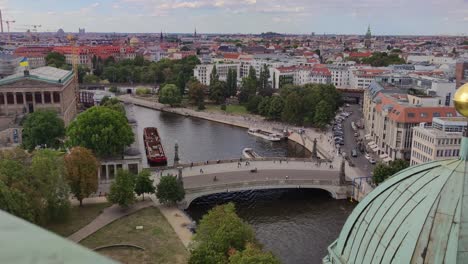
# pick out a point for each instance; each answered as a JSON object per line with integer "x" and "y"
{"x": 48, "y": 173}
{"x": 144, "y": 184}
{"x": 55, "y": 59}
{"x": 253, "y": 102}
{"x": 42, "y": 127}
{"x": 196, "y": 91}
{"x": 276, "y": 107}
{"x": 218, "y": 92}
{"x": 248, "y": 89}
{"x": 253, "y": 255}
{"x": 292, "y": 112}
{"x": 122, "y": 190}
{"x": 382, "y": 172}
{"x": 221, "y": 229}
{"x": 214, "y": 77}
{"x": 264, "y": 85}
{"x": 264, "y": 106}
{"x": 231, "y": 82}
{"x": 181, "y": 82}
{"x": 204, "y": 254}
{"x": 169, "y": 190}
{"x": 112, "y": 103}
{"x": 15, "y": 202}
{"x": 91, "y": 79}
{"x": 322, "y": 114}
{"x": 82, "y": 176}
{"x": 170, "y": 95}
{"x": 103, "y": 130}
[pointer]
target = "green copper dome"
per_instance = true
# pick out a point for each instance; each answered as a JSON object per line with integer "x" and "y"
{"x": 419, "y": 215}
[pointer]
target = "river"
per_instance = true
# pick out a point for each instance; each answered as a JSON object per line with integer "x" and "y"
{"x": 296, "y": 225}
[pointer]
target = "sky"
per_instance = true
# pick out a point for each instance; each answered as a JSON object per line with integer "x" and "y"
{"x": 386, "y": 17}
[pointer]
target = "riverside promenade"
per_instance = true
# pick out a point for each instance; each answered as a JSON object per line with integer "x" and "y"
{"x": 305, "y": 138}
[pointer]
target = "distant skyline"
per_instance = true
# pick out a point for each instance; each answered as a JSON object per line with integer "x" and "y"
{"x": 386, "y": 17}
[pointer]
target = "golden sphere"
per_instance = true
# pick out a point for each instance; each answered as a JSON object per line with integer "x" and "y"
{"x": 461, "y": 100}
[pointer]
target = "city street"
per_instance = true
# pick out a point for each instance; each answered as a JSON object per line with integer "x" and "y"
{"x": 351, "y": 141}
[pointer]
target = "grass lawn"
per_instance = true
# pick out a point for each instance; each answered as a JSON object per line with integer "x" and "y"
{"x": 79, "y": 217}
{"x": 157, "y": 237}
{"x": 232, "y": 109}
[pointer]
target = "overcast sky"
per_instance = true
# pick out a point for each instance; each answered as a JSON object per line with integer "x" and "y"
{"x": 385, "y": 17}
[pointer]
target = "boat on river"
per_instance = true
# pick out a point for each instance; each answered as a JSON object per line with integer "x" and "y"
{"x": 154, "y": 149}
{"x": 264, "y": 134}
{"x": 249, "y": 153}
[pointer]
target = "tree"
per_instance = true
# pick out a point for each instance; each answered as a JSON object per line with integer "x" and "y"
{"x": 55, "y": 59}
{"x": 122, "y": 190}
{"x": 382, "y": 172}
{"x": 264, "y": 85}
{"x": 103, "y": 130}
{"x": 218, "y": 92}
{"x": 181, "y": 82}
{"x": 214, "y": 77}
{"x": 322, "y": 114}
{"x": 222, "y": 229}
{"x": 203, "y": 254}
{"x": 169, "y": 190}
{"x": 292, "y": 112}
{"x": 253, "y": 254}
{"x": 15, "y": 202}
{"x": 91, "y": 79}
{"x": 253, "y": 102}
{"x": 82, "y": 176}
{"x": 170, "y": 95}
{"x": 42, "y": 127}
{"x": 112, "y": 103}
{"x": 248, "y": 89}
{"x": 231, "y": 82}
{"x": 276, "y": 107}
{"x": 48, "y": 176}
{"x": 264, "y": 106}
{"x": 196, "y": 91}
{"x": 144, "y": 184}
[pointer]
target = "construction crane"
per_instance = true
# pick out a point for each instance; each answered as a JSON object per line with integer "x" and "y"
{"x": 75, "y": 60}
{"x": 8, "y": 22}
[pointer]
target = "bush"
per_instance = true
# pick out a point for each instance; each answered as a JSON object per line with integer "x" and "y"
{"x": 143, "y": 91}
{"x": 201, "y": 106}
{"x": 223, "y": 107}
{"x": 113, "y": 89}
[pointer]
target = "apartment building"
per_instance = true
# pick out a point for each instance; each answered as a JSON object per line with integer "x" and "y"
{"x": 363, "y": 77}
{"x": 439, "y": 141}
{"x": 390, "y": 114}
{"x": 202, "y": 72}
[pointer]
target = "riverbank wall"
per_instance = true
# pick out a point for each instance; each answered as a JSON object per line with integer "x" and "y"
{"x": 300, "y": 139}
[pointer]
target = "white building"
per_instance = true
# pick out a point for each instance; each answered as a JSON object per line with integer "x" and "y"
{"x": 439, "y": 141}
{"x": 202, "y": 72}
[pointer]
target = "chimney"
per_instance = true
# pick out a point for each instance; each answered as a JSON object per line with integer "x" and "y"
{"x": 26, "y": 73}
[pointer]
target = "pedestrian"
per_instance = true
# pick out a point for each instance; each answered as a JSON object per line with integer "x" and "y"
{"x": 201, "y": 171}
{"x": 287, "y": 177}
{"x": 280, "y": 161}
{"x": 191, "y": 165}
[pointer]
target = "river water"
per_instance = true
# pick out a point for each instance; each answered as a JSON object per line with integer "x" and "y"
{"x": 296, "y": 225}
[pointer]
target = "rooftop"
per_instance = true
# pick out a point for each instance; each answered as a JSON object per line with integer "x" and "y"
{"x": 44, "y": 74}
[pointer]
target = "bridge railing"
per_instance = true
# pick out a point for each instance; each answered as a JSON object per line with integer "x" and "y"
{"x": 213, "y": 162}
{"x": 254, "y": 183}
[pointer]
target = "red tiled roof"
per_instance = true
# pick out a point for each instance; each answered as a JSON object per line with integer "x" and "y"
{"x": 233, "y": 56}
{"x": 360, "y": 54}
{"x": 399, "y": 112}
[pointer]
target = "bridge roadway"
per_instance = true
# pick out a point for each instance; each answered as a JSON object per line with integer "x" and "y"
{"x": 271, "y": 174}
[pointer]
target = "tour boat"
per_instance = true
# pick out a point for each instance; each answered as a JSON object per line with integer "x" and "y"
{"x": 264, "y": 134}
{"x": 249, "y": 153}
{"x": 154, "y": 149}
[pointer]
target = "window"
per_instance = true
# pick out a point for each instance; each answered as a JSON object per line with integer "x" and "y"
{"x": 423, "y": 114}
{"x": 411, "y": 115}
{"x": 436, "y": 114}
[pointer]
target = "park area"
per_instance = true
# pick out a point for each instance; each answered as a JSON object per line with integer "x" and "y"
{"x": 160, "y": 243}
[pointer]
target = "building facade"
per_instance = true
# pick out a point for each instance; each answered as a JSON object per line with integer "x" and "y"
{"x": 390, "y": 116}
{"x": 439, "y": 141}
{"x": 461, "y": 72}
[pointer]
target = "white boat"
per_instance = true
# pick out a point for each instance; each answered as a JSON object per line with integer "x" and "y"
{"x": 264, "y": 134}
{"x": 249, "y": 153}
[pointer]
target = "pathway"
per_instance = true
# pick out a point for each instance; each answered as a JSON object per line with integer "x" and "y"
{"x": 108, "y": 216}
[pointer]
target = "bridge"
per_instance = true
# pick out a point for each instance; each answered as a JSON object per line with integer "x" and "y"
{"x": 212, "y": 177}
{"x": 352, "y": 95}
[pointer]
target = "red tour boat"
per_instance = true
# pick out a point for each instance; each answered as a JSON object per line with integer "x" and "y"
{"x": 154, "y": 149}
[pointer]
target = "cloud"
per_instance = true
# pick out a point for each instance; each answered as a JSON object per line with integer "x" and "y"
{"x": 95, "y": 5}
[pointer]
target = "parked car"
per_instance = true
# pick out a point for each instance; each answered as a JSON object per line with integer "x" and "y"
{"x": 356, "y": 134}
{"x": 354, "y": 152}
{"x": 372, "y": 161}
{"x": 367, "y": 156}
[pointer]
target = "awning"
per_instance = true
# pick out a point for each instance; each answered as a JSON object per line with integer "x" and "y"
{"x": 387, "y": 159}
{"x": 371, "y": 143}
{"x": 383, "y": 156}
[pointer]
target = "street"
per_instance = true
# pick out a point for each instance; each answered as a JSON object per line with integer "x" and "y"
{"x": 351, "y": 141}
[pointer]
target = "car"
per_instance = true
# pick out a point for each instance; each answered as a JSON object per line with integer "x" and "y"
{"x": 341, "y": 142}
{"x": 356, "y": 134}
{"x": 338, "y": 132}
{"x": 367, "y": 156}
{"x": 372, "y": 161}
{"x": 354, "y": 152}
{"x": 347, "y": 105}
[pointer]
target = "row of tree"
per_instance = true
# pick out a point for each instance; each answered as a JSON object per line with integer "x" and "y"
{"x": 102, "y": 129}
{"x": 383, "y": 171}
{"x": 311, "y": 104}
{"x": 222, "y": 237}
{"x": 380, "y": 59}
{"x": 37, "y": 186}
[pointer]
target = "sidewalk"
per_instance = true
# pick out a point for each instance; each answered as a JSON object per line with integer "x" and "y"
{"x": 108, "y": 216}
